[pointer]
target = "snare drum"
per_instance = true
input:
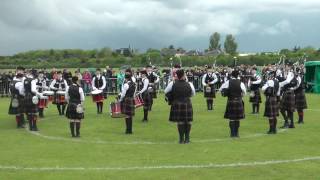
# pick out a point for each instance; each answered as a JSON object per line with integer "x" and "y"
{"x": 97, "y": 95}
{"x": 49, "y": 94}
{"x": 60, "y": 97}
{"x": 43, "y": 102}
{"x": 138, "y": 101}
{"x": 115, "y": 110}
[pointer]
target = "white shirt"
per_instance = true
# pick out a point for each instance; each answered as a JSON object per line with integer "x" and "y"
{"x": 169, "y": 88}
{"x": 104, "y": 83}
{"x": 54, "y": 82}
{"x": 270, "y": 83}
{"x": 258, "y": 81}
{"x": 20, "y": 87}
{"x": 290, "y": 76}
{"x": 215, "y": 80}
{"x": 145, "y": 85}
{"x": 82, "y": 97}
{"x": 226, "y": 86}
{"x": 124, "y": 89}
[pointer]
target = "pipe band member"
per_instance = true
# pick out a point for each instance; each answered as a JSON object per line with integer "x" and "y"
{"x": 59, "y": 85}
{"x": 255, "y": 96}
{"x": 271, "y": 90}
{"x": 288, "y": 102}
{"x": 300, "y": 97}
{"x": 146, "y": 96}
{"x": 153, "y": 80}
{"x": 75, "y": 98}
{"x": 17, "y": 95}
{"x": 208, "y": 81}
{"x": 127, "y": 102}
{"x": 234, "y": 89}
{"x": 41, "y": 83}
{"x": 181, "y": 107}
{"x": 99, "y": 83}
{"x": 30, "y": 104}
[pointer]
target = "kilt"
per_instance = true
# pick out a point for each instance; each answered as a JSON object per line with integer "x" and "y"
{"x": 181, "y": 111}
{"x": 16, "y": 110}
{"x": 154, "y": 91}
{"x": 288, "y": 101}
{"x": 147, "y": 100}
{"x": 127, "y": 106}
{"x": 28, "y": 105}
{"x": 301, "y": 102}
{"x": 98, "y": 97}
{"x": 211, "y": 93}
{"x": 234, "y": 109}
{"x": 256, "y": 99}
{"x": 271, "y": 108}
{"x": 71, "y": 112}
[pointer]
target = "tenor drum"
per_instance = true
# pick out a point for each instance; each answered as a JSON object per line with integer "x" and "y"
{"x": 43, "y": 102}
{"x": 97, "y": 96}
{"x": 49, "y": 94}
{"x": 138, "y": 101}
{"x": 61, "y": 97}
{"x": 115, "y": 110}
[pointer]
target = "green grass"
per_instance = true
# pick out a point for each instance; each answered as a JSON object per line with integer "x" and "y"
{"x": 104, "y": 144}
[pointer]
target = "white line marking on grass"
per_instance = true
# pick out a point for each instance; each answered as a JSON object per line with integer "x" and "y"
{"x": 191, "y": 166}
{"x": 141, "y": 142}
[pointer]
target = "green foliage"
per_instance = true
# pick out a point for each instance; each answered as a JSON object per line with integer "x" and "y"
{"x": 215, "y": 41}
{"x": 230, "y": 45}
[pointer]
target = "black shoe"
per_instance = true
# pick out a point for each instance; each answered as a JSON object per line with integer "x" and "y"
{"x": 285, "y": 125}
{"x": 187, "y": 141}
{"x": 144, "y": 120}
{"x": 181, "y": 141}
{"x": 291, "y": 126}
{"x": 300, "y": 122}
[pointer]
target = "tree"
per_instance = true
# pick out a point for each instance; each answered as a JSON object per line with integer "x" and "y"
{"x": 215, "y": 42}
{"x": 230, "y": 45}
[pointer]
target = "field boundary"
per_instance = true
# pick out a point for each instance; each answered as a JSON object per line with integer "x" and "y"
{"x": 194, "y": 166}
{"x": 142, "y": 142}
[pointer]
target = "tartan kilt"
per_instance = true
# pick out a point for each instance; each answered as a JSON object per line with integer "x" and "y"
{"x": 271, "y": 108}
{"x": 127, "y": 106}
{"x": 71, "y": 112}
{"x": 154, "y": 92}
{"x": 256, "y": 99}
{"x": 211, "y": 94}
{"x": 301, "y": 101}
{"x": 181, "y": 111}
{"x": 16, "y": 110}
{"x": 28, "y": 105}
{"x": 234, "y": 109}
{"x": 147, "y": 100}
{"x": 288, "y": 101}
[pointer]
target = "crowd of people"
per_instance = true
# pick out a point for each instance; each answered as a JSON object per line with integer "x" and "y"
{"x": 32, "y": 90}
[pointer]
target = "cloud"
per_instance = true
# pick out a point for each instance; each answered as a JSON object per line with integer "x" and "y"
{"x": 157, "y": 22}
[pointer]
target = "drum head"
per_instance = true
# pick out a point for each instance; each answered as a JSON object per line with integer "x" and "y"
{"x": 48, "y": 93}
{"x": 61, "y": 92}
{"x": 95, "y": 92}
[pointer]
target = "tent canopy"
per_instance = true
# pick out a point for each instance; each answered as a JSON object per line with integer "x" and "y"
{"x": 312, "y": 76}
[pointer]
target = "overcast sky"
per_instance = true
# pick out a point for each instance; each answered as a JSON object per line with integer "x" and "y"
{"x": 259, "y": 25}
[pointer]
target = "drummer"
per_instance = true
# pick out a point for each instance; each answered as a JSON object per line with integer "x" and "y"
{"x": 41, "y": 87}
{"x": 153, "y": 80}
{"x": 145, "y": 95}
{"x": 98, "y": 85}
{"x": 59, "y": 85}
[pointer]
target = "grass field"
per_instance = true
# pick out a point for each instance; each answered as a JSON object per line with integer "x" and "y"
{"x": 153, "y": 152}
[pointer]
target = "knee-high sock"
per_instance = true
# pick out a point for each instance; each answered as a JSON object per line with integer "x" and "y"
{"x": 129, "y": 125}
{"x": 41, "y": 112}
{"x": 253, "y": 108}
{"x": 232, "y": 128}
{"x": 72, "y": 128}
{"x": 236, "y": 129}
{"x": 18, "y": 120}
{"x": 63, "y": 108}
{"x": 30, "y": 120}
{"x": 284, "y": 115}
{"x": 300, "y": 114}
{"x": 270, "y": 125}
{"x": 290, "y": 116}
{"x": 275, "y": 124}
{"x": 101, "y": 106}
{"x": 22, "y": 120}
{"x": 78, "y": 128}
{"x": 208, "y": 104}
{"x": 181, "y": 130}
{"x": 34, "y": 122}
{"x": 145, "y": 114}
{"x": 187, "y": 131}
{"x": 98, "y": 107}
{"x": 59, "y": 108}
{"x": 258, "y": 107}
